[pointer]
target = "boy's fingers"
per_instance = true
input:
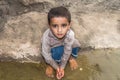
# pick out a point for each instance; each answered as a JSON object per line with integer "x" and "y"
{"x": 63, "y": 74}
{"x": 58, "y": 77}
{"x": 60, "y": 74}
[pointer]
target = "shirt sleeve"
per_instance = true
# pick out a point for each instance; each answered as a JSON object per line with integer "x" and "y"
{"x": 67, "y": 49}
{"x": 46, "y": 53}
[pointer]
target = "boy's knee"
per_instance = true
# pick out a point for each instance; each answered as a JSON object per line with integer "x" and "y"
{"x": 75, "y": 51}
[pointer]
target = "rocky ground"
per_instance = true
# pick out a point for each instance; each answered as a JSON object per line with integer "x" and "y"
{"x": 22, "y": 22}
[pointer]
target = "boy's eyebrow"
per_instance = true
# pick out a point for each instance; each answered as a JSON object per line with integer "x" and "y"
{"x": 65, "y": 24}
{"x": 53, "y": 24}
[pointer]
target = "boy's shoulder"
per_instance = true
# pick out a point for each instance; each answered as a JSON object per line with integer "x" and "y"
{"x": 46, "y": 31}
{"x": 69, "y": 36}
{"x": 45, "y": 35}
{"x": 70, "y": 33}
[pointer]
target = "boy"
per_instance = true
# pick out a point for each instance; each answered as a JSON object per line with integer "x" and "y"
{"x": 58, "y": 43}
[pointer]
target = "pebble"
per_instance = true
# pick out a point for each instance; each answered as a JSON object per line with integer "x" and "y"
{"x": 81, "y": 69}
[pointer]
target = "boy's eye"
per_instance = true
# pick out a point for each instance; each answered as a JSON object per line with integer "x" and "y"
{"x": 54, "y": 25}
{"x": 64, "y": 25}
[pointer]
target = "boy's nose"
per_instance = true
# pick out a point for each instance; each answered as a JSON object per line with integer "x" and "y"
{"x": 59, "y": 29}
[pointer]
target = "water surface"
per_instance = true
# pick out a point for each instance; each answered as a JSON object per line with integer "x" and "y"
{"x": 100, "y": 64}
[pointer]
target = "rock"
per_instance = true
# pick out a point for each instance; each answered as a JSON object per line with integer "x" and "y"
{"x": 96, "y": 24}
{"x": 4, "y": 10}
{"x": 98, "y": 30}
{"x": 28, "y": 2}
{"x": 86, "y": 6}
{"x": 22, "y": 34}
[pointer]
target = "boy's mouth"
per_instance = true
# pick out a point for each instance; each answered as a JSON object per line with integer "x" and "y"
{"x": 59, "y": 34}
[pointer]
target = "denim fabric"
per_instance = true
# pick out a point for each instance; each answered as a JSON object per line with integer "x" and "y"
{"x": 57, "y": 52}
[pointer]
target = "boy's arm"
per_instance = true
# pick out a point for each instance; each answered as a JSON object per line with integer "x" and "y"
{"x": 47, "y": 55}
{"x": 67, "y": 49}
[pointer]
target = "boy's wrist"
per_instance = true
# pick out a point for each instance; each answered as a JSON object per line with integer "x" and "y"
{"x": 62, "y": 67}
{"x": 59, "y": 68}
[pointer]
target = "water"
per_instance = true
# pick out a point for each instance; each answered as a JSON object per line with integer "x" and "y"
{"x": 101, "y": 64}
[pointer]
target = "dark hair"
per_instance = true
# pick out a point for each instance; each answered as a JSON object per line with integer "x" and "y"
{"x": 59, "y": 12}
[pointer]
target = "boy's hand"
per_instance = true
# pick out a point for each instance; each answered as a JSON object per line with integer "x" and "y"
{"x": 60, "y": 73}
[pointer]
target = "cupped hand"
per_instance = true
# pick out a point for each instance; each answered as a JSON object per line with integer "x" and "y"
{"x": 60, "y": 73}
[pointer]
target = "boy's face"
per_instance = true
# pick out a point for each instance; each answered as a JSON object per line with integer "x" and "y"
{"x": 59, "y": 26}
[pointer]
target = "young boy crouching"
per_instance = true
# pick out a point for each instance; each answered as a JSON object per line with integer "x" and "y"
{"x": 58, "y": 42}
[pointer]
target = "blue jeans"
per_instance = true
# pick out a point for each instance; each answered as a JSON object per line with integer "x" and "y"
{"x": 57, "y": 52}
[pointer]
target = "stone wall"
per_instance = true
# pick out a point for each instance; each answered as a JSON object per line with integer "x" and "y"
{"x": 22, "y": 22}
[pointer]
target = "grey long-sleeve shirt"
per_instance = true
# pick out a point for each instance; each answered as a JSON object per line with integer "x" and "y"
{"x": 50, "y": 41}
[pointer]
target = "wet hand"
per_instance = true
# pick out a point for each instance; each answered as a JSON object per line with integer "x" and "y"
{"x": 60, "y": 73}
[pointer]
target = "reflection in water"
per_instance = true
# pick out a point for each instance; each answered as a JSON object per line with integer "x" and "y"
{"x": 101, "y": 64}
